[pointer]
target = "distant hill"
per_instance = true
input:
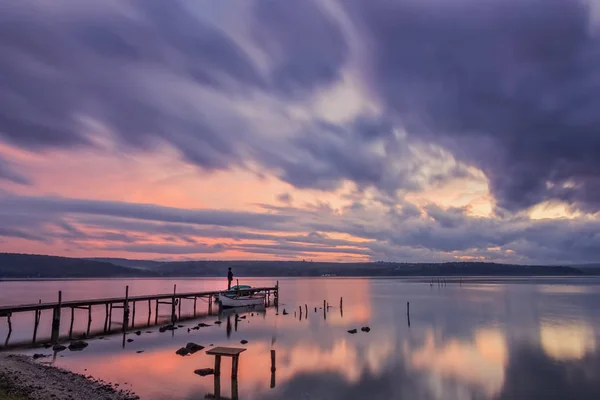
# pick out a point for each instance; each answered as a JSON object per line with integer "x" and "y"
{"x": 40, "y": 266}
{"x": 37, "y": 266}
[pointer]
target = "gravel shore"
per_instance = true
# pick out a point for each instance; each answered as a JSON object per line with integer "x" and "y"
{"x": 21, "y": 376}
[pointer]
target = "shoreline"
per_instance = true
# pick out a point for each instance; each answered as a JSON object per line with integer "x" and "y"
{"x": 23, "y": 378}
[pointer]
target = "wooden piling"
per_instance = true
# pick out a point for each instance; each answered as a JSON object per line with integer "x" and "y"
{"x": 194, "y": 306}
{"x": 56, "y": 319}
{"x": 89, "y": 326}
{"x": 72, "y": 320}
{"x": 324, "y": 309}
{"x": 408, "y": 313}
{"x": 210, "y": 298}
{"x": 133, "y": 316}
{"x": 173, "y": 304}
{"x": 273, "y": 369}
{"x": 156, "y": 313}
{"x": 37, "y": 316}
{"x": 106, "y": 318}
{"x": 126, "y": 309}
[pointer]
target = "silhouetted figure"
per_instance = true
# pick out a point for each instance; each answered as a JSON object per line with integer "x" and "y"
{"x": 229, "y": 278}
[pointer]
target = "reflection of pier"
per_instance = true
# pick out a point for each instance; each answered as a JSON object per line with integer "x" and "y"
{"x": 127, "y": 304}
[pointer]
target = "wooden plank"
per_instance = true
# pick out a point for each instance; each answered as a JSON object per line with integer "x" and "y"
{"x": 225, "y": 351}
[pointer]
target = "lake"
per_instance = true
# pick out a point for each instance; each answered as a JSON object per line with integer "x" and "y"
{"x": 479, "y": 339}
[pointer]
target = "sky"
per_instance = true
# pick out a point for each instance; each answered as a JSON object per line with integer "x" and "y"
{"x": 350, "y": 130}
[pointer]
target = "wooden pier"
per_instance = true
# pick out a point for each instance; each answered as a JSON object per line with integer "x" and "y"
{"x": 126, "y": 303}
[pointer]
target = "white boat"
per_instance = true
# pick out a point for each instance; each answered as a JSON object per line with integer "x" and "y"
{"x": 241, "y": 301}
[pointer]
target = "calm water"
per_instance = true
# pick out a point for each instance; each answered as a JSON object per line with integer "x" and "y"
{"x": 512, "y": 339}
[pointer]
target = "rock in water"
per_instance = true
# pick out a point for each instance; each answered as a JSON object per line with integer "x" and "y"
{"x": 138, "y": 333}
{"x": 285, "y": 312}
{"x": 218, "y": 322}
{"x": 37, "y": 355}
{"x": 202, "y": 325}
{"x": 140, "y": 351}
{"x": 352, "y": 331}
{"x": 243, "y": 341}
{"x": 78, "y": 345}
{"x": 365, "y": 329}
{"x": 129, "y": 340}
{"x": 58, "y": 347}
{"x": 182, "y": 352}
{"x": 193, "y": 347}
{"x": 204, "y": 371}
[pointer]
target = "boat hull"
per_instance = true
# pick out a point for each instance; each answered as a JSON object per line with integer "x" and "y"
{"x": 243, "y": 301}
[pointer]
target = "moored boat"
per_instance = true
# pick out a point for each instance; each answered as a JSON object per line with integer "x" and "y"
{"x": 241, "y": 301}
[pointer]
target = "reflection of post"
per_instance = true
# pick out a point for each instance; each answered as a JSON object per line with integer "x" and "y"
{"x": 228, "y": 326}
{"x": 306, "y": 309}
{"x": 273, "y": 369}
{"x": 300, "y": 312}
{"x": 324, "y": 309}
{"x": 408, "y": 312}
{"x": 236, "y": 321}
{"x": 89, "y": 327}
{"x": 234, "y": 389}
{"x": 210, "y": 305}
{"x": 133, "y": 316}
{"x": 341, "y": 306}
{"x": 217, "y": 386}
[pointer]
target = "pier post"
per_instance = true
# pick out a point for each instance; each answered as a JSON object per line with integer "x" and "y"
{"x": 273, "y": 369}
{"x": 72, "y": 320}
{"x": 306, "y": 309}
{"x": 156, "y": 313}
{"x": 408, "y": 312}
{"x": 126, "y": 309}
{"x": 195, "y": 298}
{"x": 173, "y": 304}
{"x": 300, "y": 312}
{"x": 56, "y": 319}
{"x": 36, "y": 321}
{"x": 210, "y": 305}
{"x": 133, "y": 316}
{"x": 106, "y": 318}
{"x": 89, "y": 327}
{"x": 324, "y": 309}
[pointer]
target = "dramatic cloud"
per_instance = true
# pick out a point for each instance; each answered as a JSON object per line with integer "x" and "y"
{"x": 511, "y": 86}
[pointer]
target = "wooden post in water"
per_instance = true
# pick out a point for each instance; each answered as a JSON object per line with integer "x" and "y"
{"x": 133, "y": 316}
{"x": 36, "y": 321}
{"x": 89, "y": 327}
{"x": 300, "y": 312}
{"x": 273, "y": 369}
{"x": 173, "y": 304}
{"x": 56, "y": 319}
{"x": 106, "y": 318}
{"x": 72, "y": 320}
{"x": 156, "y": 313}
{"x": 180, "y": 301}
{"x": 408, "y": 312}
{"x": 306, "y": 309}
{"x": 126, "y": 309}
{"x": 210, "y": 305}
{"x": 194, "y": 306}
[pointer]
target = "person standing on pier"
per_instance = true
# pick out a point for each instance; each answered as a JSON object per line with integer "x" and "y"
{"x": 229, "y": 278}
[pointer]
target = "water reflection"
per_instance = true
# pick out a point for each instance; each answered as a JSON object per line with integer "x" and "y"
{"x": 507, "y": 341}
